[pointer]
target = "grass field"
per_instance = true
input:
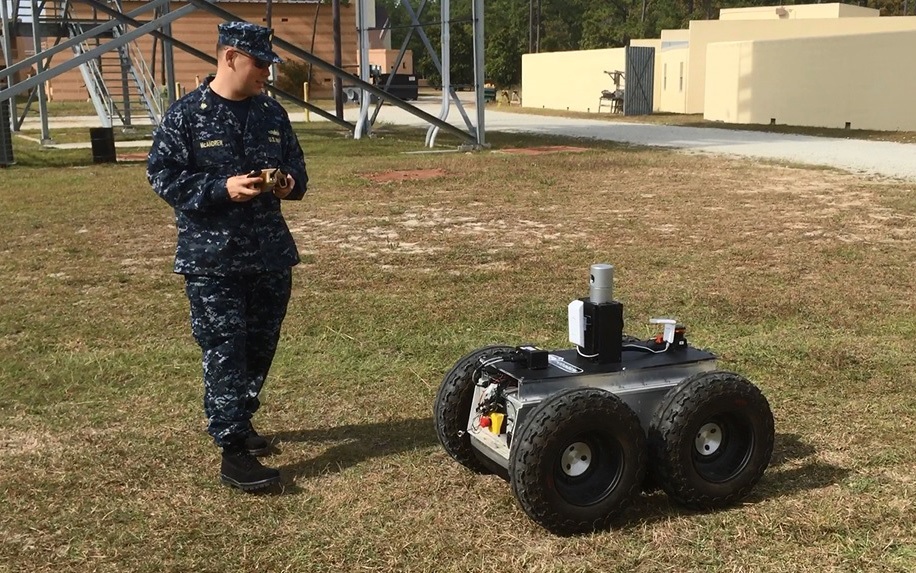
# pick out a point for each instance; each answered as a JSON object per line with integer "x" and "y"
{"x": 800, "y": 279}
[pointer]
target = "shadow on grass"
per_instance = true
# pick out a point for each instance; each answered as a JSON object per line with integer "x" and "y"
{"x": 778, "y": 481}
{"x": 357, "y": 443}
{"x": 804, "y": 475}
{"x": 354, "y": 444}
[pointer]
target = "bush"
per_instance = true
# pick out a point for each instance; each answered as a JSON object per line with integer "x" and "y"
{"x": 291, "y": 75}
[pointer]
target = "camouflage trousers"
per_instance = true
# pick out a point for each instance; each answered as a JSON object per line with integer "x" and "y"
{"x": 236, "y": 321}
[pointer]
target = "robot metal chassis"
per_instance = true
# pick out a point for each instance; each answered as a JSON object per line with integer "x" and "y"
{"x": 580, "y": 432}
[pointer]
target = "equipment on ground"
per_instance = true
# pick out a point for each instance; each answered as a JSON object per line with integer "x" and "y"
{"x": 579, "y": 433}
{"x": 403, "y": 86}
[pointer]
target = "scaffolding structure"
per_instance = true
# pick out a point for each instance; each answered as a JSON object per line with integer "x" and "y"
{"x": 122, "y": 88}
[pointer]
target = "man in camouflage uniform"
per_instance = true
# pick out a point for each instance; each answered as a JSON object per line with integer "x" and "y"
{"x": 234, "y": 247}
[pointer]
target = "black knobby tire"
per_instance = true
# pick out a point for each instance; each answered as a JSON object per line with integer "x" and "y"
{"x": 452, "y": 408}
{"x": 710, "y": 440}
{"x": 578, "y": 460}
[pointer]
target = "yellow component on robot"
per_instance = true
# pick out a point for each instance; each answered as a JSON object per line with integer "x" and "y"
{"x": 496, "y": 422}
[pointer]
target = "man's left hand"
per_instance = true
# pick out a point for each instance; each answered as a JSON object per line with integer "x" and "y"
{"x": 282, "y": 193}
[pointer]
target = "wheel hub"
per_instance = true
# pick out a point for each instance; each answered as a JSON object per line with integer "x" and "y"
{"x": 709, "y": 439}
{"x": 577, "y": 458}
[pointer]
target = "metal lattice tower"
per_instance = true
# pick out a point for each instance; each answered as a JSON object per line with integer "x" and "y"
{"x": 102, "y": 40}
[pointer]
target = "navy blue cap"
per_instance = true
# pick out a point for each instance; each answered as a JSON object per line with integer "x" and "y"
{"x": 250, "y": 38}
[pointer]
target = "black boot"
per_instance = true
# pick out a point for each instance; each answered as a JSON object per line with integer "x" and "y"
{"x": 242, "y": 470}
{"x": 255, "y": 444}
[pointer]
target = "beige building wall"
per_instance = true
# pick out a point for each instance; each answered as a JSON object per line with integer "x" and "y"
{"x": 574, "y": 80}
{"x": 707, "y": 32}
{"x": 820, "y": 82}
{"x": 802, "y": 11}
{"x": 569, "y": 80}
{"x": 851, "y": 11}
{"x": 672, "y": 76}
{"x": 731, "y": 89}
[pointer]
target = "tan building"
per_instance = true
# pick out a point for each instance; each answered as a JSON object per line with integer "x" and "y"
{"x": 801, "y": 81}
{"x": 705, "y": 33}
{"x": 673, "y": 59}
{"x": 802, "y": 11}
{"x": 825, "y": 65}
{"x": 574, "y": 81}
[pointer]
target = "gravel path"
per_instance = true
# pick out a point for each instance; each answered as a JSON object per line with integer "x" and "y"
{"x": 885, "y": 159}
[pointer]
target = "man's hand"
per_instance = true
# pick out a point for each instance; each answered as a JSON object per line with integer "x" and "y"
{"x": 282, "y": 193}
{"x": 243, "y": 188}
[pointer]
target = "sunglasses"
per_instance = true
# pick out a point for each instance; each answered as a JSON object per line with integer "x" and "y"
{"x": 258, "y": 63}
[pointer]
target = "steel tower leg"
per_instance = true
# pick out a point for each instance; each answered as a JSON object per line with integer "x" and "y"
{"x": 167, "y": 58}
{"x": 42, "y": 96}
{"x": 479, "y": 69}
{"x": 7, "y": 49}
{"x": 362, "y": 125}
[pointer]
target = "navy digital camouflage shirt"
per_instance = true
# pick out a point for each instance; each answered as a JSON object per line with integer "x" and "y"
{"x": 195, "y": 149}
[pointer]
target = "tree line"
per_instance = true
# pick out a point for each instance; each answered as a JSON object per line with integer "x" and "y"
{"x": 516, "y": 27}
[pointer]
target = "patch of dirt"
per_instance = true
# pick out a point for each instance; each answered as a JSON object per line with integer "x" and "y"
{"x": 423, "y": 230}
{"x": 808, "y": 207}
{"x": 133, "y": 157}
{"x": 407, "y": 175}
{"x": 14, "y": 442}
{"x": 541, "y": 150}
{"x": 704, "y": 203}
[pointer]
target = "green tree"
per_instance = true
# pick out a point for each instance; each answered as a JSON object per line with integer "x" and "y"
{"x": 506, "y": 39}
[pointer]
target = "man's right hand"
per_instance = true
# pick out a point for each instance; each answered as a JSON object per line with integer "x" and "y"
{"x": 243, "y": 188}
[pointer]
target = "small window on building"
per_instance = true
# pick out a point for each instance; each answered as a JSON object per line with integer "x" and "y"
{"x": 665, "y": 77}
{"x": 681, "y": 80}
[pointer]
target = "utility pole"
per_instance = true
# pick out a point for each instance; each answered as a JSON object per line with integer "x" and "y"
{"x": 534, "y": 26}
{"x": 537, "y": 29}
{"x": 530, "y": 26}
{"x": 268, "y": 17}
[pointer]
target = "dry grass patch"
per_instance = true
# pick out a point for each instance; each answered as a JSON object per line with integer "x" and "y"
{"x": 541, "y": 150}
{"x": 406, "y": 175}
{"x": 800, "y": 279}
